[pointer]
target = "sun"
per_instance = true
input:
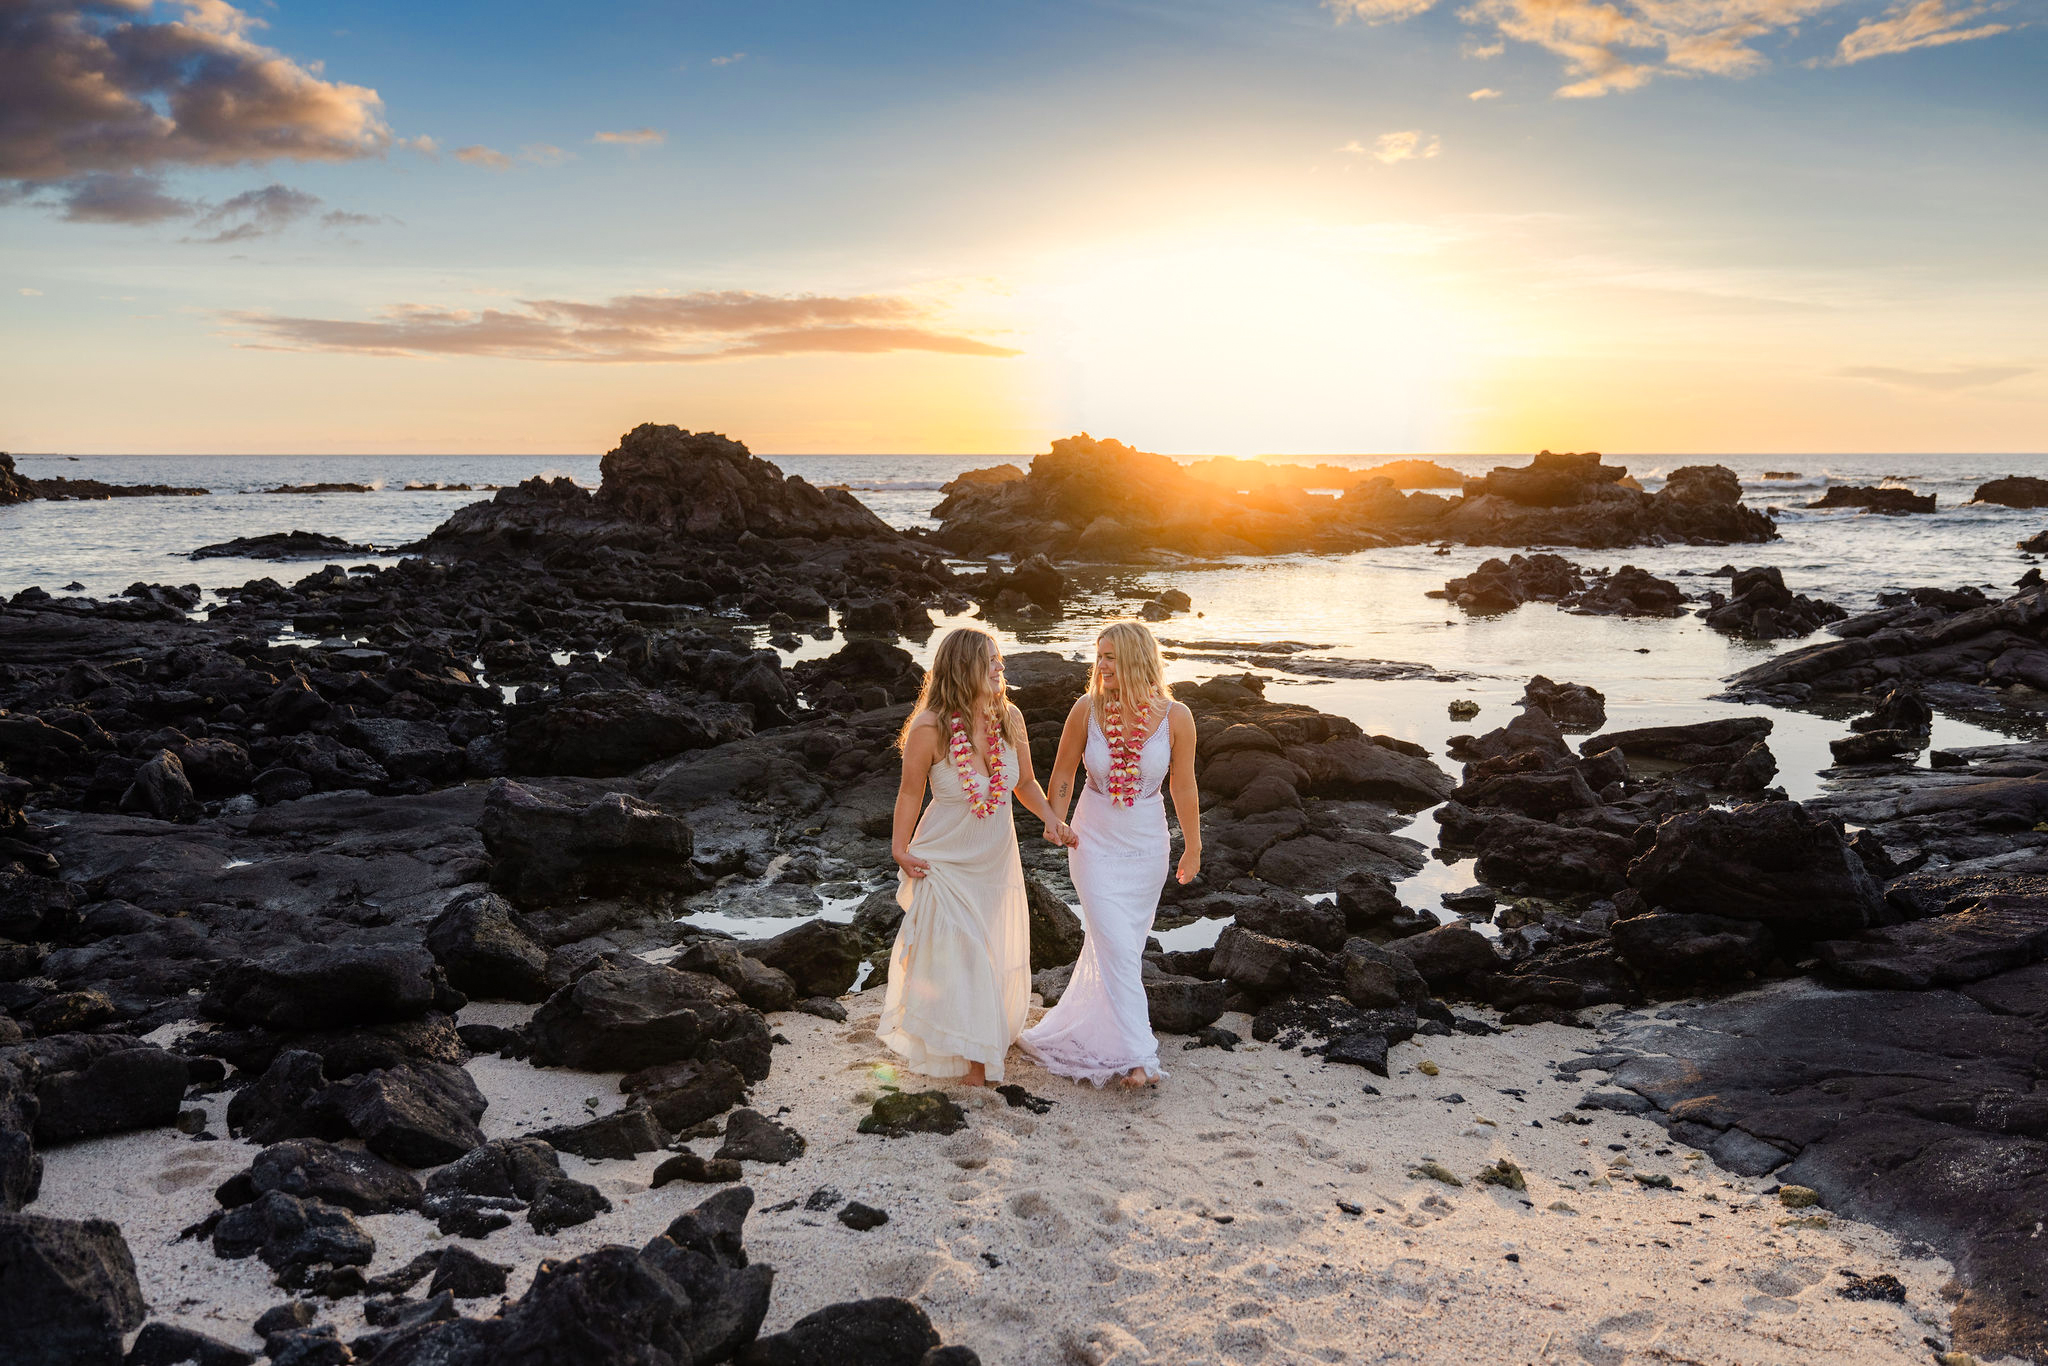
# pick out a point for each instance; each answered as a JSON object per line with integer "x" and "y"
{"x": 1251, "y": 342}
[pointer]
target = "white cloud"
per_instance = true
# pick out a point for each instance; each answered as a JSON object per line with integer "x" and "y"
{"x": 543, "y": 154}
{"x": 476, "y": 154}
{"x": 1410, "y": 144}
{"x": 30, "y": 293}
{"x": 729, "y": 59}
{"x": 1484, "y": 93}
{"x": 634, "y": 137}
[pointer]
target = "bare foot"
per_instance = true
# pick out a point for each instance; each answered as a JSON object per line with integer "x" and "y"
{"x": 977, "y": 1075}
{"x": 1135, "y": 1079}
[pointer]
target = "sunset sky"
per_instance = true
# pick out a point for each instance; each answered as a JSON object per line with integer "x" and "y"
{"x": 1245, "y": 226}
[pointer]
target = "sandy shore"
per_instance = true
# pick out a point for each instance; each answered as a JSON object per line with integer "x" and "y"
{"x": 1203, "y": 1222}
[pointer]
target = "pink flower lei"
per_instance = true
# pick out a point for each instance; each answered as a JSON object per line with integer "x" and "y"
{"x": 963, "y": 753}
{"x": 1126, "y": 747}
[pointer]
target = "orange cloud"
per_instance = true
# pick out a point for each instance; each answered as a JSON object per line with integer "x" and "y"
{"x": 1930, "y": 23}
{"x": 629, "y": 329}
{"x": 1615, "y": 45}
{"x": 634, "y": 137}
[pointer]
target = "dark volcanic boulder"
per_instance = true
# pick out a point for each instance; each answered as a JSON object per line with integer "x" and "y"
{"x": 282, "y": 545}
{"x": 473, "y": 1194}
{"x": 2014, "y": 491}
{"x": 751, "y": 1136}
{"x": 420, "y": 1115}
{"x": 293, "y": 1237}
{"x": 166, "y": 1344}
{"x": 821, "y": 958}
{"x": 629, "y": 1015}
{"x": 1183, "y": 1005}
{"x": 21, "y": 1168}
{"x": 406, "y": 749}
{"x": 1573, "y": 706}
{"x": 623, "y": 1133}
{"x": 1692, "y": 947}
{"x": 68, "y": 1292}
{"x": 1055, "y": 929}
{"x": 1760, "y": 607}
{"x": 760, "y": 986}
{"x": 1731, "y": 753}
{"x": 1775, "y": 863}
{"x": 162, "y": 790}
{"x": 684, "y": 1094}
{"x": 545, "y": 852}
{"x": 275, "y": 1106}
{"x": 92, "y": 1084}
{"x": 489, "y": 950}
{"x": 1448, "y": 954}
{"x": 605, "y": 734}
{"x": 1993, "y": 934}
{"x": 359, "y": 1182}
{"x": 1874, "y": 499}
{"x": 330, "y": 986}
{"x": 882, "y": 1332}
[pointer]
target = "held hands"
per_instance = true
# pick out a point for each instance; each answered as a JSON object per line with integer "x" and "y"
{"x": 1062, "y": 834}
{"x": 1190, "y": 866}
{"x": 911, "y": 865}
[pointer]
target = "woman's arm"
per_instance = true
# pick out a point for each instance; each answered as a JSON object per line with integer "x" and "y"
{"x": 1028, "y": 794}
{"x": 1187, "y": 802}
{"x": 919, "y": 752}
{"x": 1067, "y": 763}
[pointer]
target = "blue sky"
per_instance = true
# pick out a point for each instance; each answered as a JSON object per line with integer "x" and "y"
{"x": 1259, "y": 226}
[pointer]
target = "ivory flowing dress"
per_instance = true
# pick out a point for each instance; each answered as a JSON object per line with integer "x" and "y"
{"x": 1102, "y": 1026}
{"x": 960, "y": 970}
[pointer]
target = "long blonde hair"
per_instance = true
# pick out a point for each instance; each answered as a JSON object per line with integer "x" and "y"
{"x": 1140, "y": 672}
{"x": 957, "y": 680}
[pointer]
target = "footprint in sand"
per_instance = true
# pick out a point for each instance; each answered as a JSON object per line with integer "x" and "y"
{"x": 1044, "y": 1225}
{"x": 1609, "y": 1342}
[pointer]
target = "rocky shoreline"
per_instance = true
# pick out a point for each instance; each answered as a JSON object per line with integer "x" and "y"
{"x": 282, "y": 851}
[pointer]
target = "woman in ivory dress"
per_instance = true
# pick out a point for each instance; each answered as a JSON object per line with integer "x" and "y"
{"x": 960, "y": 970}
{"x": 1134, "y": 740}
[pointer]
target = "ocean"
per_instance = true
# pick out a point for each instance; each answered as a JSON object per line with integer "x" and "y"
{"x": 1365, "y": 605}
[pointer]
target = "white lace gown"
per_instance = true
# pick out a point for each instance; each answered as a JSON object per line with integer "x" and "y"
{"x": 1101, "y": 1027}
{"x": 960, "y": 970}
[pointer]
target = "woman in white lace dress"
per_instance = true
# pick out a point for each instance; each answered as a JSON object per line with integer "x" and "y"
{"x": 960, "y": 970}
{"x": 1135, "y": 741}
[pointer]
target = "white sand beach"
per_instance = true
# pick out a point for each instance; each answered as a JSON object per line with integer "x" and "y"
{"x": 1204, "y": 1222}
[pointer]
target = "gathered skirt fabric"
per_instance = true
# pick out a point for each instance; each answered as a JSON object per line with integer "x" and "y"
{"x": 960, "y": 970}
{"x": 1102, "y": 1026}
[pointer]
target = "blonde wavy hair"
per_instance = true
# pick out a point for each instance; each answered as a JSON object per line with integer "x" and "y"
{"x": 957, "y": 680}
{"x": 1140, "y": 672}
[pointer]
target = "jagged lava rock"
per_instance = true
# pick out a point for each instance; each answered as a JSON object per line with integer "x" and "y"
{"x": 545, "y": 851}
{"x": 1774, "y": 862}
{"x": 68, "y": 1291}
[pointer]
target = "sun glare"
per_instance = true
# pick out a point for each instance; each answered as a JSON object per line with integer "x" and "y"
{"x": 1279, "y": 342}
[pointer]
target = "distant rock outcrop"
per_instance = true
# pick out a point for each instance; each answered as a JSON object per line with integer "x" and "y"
{"x": 661, "y": 485}
{"x": 281, "y": 545}
{"x": 1101, "y": 500}
{"x": 1877, "y": 499}
{"x": 18, "y": 488}
{"x": 2014, "y": 491}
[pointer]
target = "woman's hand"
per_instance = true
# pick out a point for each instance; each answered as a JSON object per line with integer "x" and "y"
{"x": 1059, "y": 832}
{"x": 911, "y": 864}
{"x": 1190, "y": 865}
